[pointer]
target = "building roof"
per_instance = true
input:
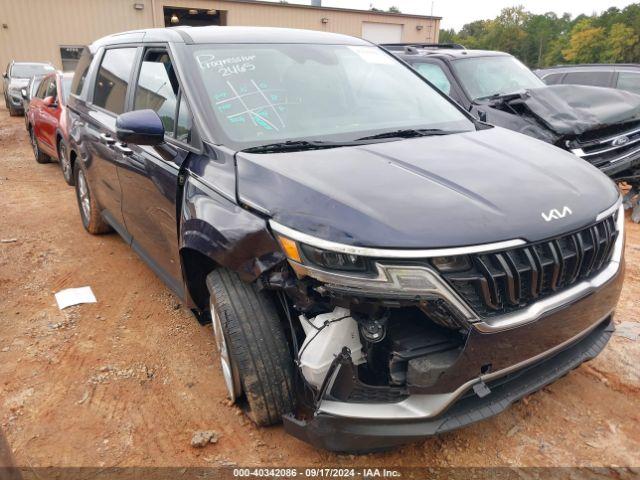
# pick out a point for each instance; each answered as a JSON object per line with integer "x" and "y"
{"x": 335, "y": 9}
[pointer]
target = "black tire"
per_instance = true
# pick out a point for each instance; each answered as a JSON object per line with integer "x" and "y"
{"x": 37, "y": 153}
{"x": 257, "y": 346}
{"x": 91, "y": 218}
{"x": 14, "y": 112}
{"x": 65, "y": 163}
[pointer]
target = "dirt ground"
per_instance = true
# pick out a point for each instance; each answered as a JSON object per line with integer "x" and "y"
{"x": 128, "y": 380}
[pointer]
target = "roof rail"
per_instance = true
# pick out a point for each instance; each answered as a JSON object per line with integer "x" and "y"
{"x": 410, "y": 47}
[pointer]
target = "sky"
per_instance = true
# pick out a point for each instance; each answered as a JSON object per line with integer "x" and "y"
{"x": 455, "y": 13}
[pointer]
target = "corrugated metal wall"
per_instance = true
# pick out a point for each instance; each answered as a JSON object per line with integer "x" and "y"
{"x": 36, "y": 29}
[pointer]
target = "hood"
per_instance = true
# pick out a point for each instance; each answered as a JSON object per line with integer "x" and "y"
{"x": 575, "y": 109}
{"x": 428, "y": 192}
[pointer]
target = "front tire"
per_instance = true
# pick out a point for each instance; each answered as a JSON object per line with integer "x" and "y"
{"x": 253, "y": 350}
{"x": 65, "y": 163}
{"x": 89, "y": 209}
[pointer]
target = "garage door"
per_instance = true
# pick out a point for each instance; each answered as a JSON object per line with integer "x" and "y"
{"x": 382, "y": 32}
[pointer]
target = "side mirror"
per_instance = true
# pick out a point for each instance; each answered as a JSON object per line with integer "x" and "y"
{"x": 23, "y": 92}
{"x": 50, "y": 102}
{"x": 140, "y": 127}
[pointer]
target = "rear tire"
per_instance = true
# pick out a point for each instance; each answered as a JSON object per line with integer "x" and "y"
{"x": 13, "y": 112}
{"x": 37, "y": 153}
{"x": 89, "y": 208}
{"x": 258, "y": 363}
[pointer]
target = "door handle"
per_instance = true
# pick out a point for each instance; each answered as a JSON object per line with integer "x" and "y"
{"x": 106, "y": 139}
{"x": 123, "y": 149}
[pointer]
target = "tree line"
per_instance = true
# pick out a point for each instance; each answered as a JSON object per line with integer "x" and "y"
{"x": 548, "y": 39}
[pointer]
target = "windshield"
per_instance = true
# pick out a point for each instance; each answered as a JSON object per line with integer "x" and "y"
{"x": 28, "y": 70}
{"x": 488, "y": 76}
{"x": 262, "y": 94}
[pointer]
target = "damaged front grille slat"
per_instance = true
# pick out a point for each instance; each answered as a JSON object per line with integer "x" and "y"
{"x": 503, "y": 282}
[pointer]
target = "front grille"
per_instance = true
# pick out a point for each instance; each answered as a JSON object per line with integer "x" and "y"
{"x": 503, "y": 282}
{"x": 606, "y": 150}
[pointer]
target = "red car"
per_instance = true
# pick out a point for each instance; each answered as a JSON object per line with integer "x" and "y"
{"x": 47, "y": 121}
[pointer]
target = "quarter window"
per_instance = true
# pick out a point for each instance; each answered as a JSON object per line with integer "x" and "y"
{"x": 81, "y": 72}
{"x": 113, "y": 79}
{"x": 157, "y": 88}
{"x": 185, "y": 121}
{"x": 435, "y": 75}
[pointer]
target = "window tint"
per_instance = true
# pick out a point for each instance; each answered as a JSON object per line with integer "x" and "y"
{"x": 435, "y": 75}
{"x": 113, "y": 78}
{"x": 42, "y": 89}
{"x": 553, "y": 79}
{"x": 629, "y": 81}
{"x": 157, "y": 88}
{"x": 81, "y": 72}
{"x": 594, "y": 79}
{"x": 185, "y": 121}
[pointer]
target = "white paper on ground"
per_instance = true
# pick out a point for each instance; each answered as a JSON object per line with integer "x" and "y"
{"x": 74, "y": 296}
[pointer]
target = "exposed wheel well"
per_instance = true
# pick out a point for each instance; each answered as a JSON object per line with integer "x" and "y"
{"x": 196, "y": 268}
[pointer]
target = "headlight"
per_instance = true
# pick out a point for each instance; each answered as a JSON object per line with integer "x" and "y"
{"x": 333, "y": 260}
{"x": 360, "y": 275}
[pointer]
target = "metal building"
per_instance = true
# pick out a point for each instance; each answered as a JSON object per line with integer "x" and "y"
{"x": 55, "y": 31}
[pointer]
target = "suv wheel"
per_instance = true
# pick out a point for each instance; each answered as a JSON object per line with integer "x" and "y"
{"x": 40, "y": 157}
{"x": 252, "y": 347}
{"x": 65, "y": 163}
{"x": 89, "y": 209}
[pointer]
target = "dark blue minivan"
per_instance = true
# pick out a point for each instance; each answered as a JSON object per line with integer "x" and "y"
{"x": 378, "y": 266}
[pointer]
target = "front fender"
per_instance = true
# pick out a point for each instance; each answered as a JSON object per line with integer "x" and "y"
{"x": 233, "y": 237}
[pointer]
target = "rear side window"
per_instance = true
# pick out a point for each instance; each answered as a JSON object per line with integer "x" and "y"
{"x": 594, "y": 79}
{"x": 157, "y": 88}
{"x": 435, "y": 75}
{"x": 629, "y": 81}
{"x": 113, "y": 79}
{"x": 81, "y": 72}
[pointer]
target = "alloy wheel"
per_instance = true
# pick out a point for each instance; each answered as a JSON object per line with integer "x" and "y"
{"x": 229, "y": 370}
{"x": 83, "y": 195}
{"x": 65, "y": 164}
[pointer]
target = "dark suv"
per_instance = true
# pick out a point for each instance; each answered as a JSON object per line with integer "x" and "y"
{"x": 378, "y": 265}
{"x": 599, "y": 125}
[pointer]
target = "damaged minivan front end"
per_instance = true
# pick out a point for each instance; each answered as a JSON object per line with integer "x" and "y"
{"x": 397, "y": 336}
{"x": 415, "y": 343}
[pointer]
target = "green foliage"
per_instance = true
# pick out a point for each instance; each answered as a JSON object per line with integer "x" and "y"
{"x": 549, "y": 39}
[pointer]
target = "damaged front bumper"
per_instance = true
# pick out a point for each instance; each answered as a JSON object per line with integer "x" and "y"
{"x": 362, "y": 433}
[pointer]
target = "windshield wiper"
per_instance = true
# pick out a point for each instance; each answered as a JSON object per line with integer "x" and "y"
{"x": 298, "y": 145}
{"x": 500, "y": 96}
{"x": 411, "y": 133}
